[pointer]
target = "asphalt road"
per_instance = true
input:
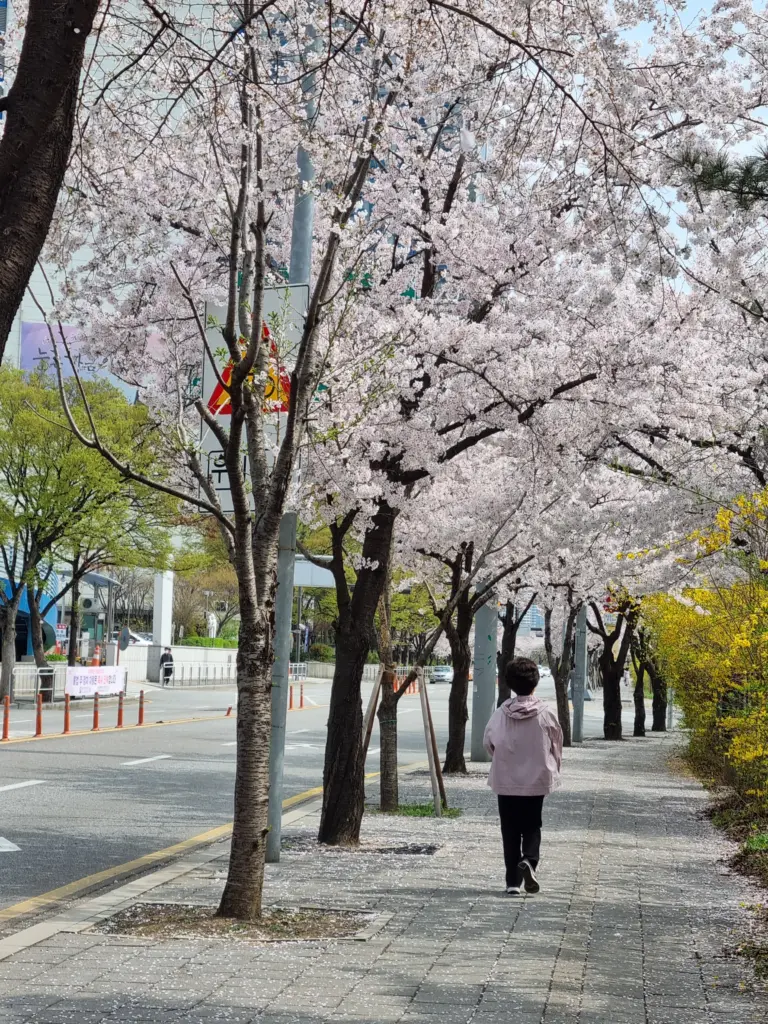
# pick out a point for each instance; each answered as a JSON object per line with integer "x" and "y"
{"x": 80, "y": 804}
{"x": 76, "y": 805}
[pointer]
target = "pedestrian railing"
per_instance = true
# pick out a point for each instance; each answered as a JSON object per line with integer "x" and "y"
{"x": 27, "y": 681}
{"x": 201, "y": 674}
{"x": 297, "y": 670}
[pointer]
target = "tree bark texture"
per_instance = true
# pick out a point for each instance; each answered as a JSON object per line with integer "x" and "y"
{"x": 38, "y": 644}
{"x": 659, "y": 706}
{"x": 387, "y": 715}
{"x": 74, "y": 622}
{"x": 561, "y": 667}
{"x": 243, "y": 890}
{"x": 639, "y": 695}
{"x": 458, "y": 715}
{"x": 513, "y": 616}
{"x": 507, "y": 651}
{"x": 8, "y": 626}
{"x": 611, "y": 674}
{"x": 344, "y": 767}
{"x": 35, "y": 146}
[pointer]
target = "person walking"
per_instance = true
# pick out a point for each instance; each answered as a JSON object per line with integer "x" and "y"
{"x": 166, "y": 666}
{"x": 525, "y": 742}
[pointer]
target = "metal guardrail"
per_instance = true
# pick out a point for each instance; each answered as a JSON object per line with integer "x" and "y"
{"x": 27, "y": 681}
{"x": 202, "y": 674}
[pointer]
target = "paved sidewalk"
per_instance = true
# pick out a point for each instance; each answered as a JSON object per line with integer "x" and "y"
{"x": 630, "y": 928}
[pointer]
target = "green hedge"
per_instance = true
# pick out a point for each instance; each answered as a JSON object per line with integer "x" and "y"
{"x": 322, "y": 652}
{"x": 207, "y": 641}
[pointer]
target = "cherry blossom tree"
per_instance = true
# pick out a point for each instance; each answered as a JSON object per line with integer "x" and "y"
{"x": 36, "y": 135}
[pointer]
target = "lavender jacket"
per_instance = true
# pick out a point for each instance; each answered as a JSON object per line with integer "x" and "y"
{"x": 525, "y": 740}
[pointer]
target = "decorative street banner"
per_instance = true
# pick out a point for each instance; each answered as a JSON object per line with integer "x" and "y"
{"x": 85, "y": 681}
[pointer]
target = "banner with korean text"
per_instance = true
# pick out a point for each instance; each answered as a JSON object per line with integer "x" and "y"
{"x": 85, "y": 681}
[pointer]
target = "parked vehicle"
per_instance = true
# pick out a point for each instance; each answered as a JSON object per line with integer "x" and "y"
{"x": 134, "y": 639}
{"x": 441, "y": 674}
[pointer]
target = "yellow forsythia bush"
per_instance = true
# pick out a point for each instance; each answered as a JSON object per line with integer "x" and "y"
{"x": 712, "y": 645}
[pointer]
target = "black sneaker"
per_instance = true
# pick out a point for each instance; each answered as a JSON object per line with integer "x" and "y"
{"x": 529, "y": 876}
{"x": 514, "y": 890}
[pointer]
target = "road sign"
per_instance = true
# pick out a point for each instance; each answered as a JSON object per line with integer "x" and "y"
{"x": 284, "y": 310}
{"x": 277, "y": 389}
{"x": 125, "y": 638}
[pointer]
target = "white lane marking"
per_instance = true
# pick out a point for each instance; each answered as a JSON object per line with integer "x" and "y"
{"x": 146, "y": 760}
{"x": 302, "y": 746}
{"x": 6, "y": 846}
{"x": 298, "y": 732}
{"x": 22, "y": 785}
{"x": 231, "y": 743}
{"x": 374, "y": 750}
{"x": 308, "y": 700}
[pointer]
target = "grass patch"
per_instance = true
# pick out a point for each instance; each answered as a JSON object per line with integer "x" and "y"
{"x": 174, "y": 921}
{"x": 418, "y": 811}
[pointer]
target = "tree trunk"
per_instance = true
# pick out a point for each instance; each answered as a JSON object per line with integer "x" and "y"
{"x": 639, "y": 729}
{"x": 245, "y": 879}
{"x": 344, "y": 766}
{"x": 35, "y": 145}
{"x": 562, "y": 666}
{"x": 611, "y": 675}
{"x": 507, "y": 651}
{"x": 387, "y": 715}
{"x": 38, "y": 645}
{"x": 659, "y": 688}
{"x": 458, "y": 715}
{"x": 36, "y": 627}
{"x": 561, "y": 677}
{"x": 74, "y": 623}
{"x": 8, "y": 626}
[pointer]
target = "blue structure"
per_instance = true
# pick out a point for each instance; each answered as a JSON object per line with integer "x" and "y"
{"x": 23, "y": 629}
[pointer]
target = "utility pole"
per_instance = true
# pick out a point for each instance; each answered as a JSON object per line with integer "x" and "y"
{"x": 283, "y": 615}
{"x": 484, "y": 673}
{"x": 579, "y": 676}
{"x": 300, "y": 273}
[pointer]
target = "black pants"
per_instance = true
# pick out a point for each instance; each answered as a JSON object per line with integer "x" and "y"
{"x": 520, "y": 832}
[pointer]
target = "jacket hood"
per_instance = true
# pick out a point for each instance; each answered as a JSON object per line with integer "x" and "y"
{"x": 523, "y": 707}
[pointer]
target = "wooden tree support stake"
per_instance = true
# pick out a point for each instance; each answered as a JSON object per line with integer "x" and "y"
{"x": 433, "y": 764}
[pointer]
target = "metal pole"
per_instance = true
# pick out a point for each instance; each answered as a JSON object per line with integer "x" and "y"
{"x": 300, "y": 272}
{"x": 484, "y": 683}
{"x": 670, "y": 707}
{"x": 283, "y": 614}
{"x": 579, "y": 676}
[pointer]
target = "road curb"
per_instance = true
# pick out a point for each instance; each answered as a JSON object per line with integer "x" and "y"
{"x": 87, "y": 912}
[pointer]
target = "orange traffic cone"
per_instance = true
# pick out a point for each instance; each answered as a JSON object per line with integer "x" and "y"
{"x": 96, "y": 659}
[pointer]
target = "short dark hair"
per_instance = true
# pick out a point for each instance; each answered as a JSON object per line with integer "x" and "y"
{"x": 522, "y": 676}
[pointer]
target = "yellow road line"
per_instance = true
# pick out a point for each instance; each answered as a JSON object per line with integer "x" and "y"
{"x": 63, "y": 892}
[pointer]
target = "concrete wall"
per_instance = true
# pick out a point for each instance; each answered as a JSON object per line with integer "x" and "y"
{"x": 218, "y": 656}
{"x": 135, "y": 660}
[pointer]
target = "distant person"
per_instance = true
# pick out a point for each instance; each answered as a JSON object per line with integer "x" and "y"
{"x": 525, "y": 740}
{"x": 166, "y": 666}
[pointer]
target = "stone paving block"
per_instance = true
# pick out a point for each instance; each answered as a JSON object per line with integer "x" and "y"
{"x": 634, "y": 909}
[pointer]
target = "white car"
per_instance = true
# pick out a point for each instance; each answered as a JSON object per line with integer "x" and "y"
{"x": 441, "y": 674}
